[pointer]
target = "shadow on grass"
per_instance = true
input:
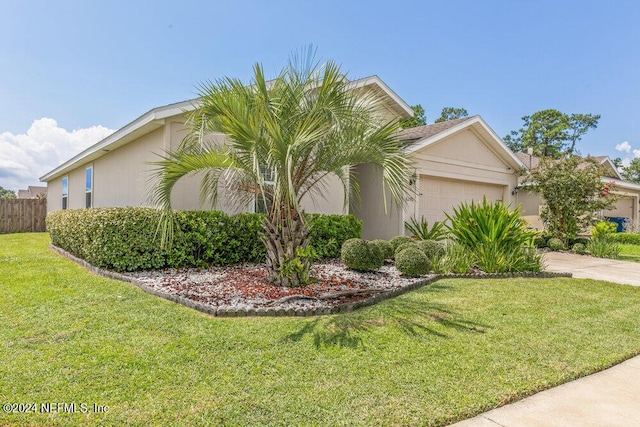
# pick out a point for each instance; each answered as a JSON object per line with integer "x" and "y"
{"x": 411, "y": 314}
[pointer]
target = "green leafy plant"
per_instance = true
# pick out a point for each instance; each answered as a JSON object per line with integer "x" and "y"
{"x": 283, "y": 137}
{"x": 573, "y": 192}
{"x": 603, "y": 229}
{"x": 579, "y": 248}
{"x": 630, "y": 238}
{"x": 399, "y": 240}
{"x": 457, "y": 259}
{"x": 422, "y": 231}
{"x": 540, "y": 242}
{"x": 361, "y": 255}
{"x": 431, "y": 248}
{"x": 385, "y": 248}
{"x": 405, "y": 246}
{"x": 412, "y": 262}
{"x": 496, "y": 235}
{"x": 126, "y": 239}
{"x": 604, "y": 247}
{"x": 555, "y": 244}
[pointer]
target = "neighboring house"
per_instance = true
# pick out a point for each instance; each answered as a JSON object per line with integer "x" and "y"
{"x": 32, "y": 192}
{"x": 628, "y": 194}
{"x": 457, "y": 161}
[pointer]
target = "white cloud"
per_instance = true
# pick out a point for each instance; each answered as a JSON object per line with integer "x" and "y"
{"x": 24, "y": 158}
{"x": 636, "y": 153}
{"x": 625, "y": 147}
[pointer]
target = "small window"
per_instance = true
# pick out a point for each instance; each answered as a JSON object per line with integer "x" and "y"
{"x": 65, "y": 192}
{"x": 89, "y": 187}
{"x": 263, "y": 204}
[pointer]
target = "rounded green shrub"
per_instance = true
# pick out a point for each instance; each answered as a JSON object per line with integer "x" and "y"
{"x": 399, "y": 240}
{"x": 431, "y": 248}
{"x": 360, "y": 255}
{"x": 555, "y": 244}
{"x": 579, "y": 248}
{"x": 540, "y": 242}
{"x": 385, "y": 248}
{"x": 412, "y": 262}
{"x": 404, "y": 246}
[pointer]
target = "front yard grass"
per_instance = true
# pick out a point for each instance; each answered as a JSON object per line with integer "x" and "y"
{"x": 430, "y": 357}
{"x": 629, "y": 252}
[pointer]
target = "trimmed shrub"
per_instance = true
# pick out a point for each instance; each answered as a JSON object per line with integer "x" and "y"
{"x": 431, "y": 248}
{"x": 127, "y": 239}
{"x": 540, "y": 242}
{"x": 579, "y": 248}
{"x": 628, "y": 238}
{"x": 385, "y": 248}
{"x": 555, "y": 244}
{"x": 404, "y": 246}
{"x": 412, "y": 262}
{"x": 329, "y": 232}
{"x": 361, "y": 255}
{"x": 399, "y": 240}
{"x": 584, "y": 240}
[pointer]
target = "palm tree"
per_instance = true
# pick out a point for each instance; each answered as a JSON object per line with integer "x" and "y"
{"x": 284, "y": 137}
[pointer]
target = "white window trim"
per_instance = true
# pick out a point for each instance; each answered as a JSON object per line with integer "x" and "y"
{"x": 89, "y": 191}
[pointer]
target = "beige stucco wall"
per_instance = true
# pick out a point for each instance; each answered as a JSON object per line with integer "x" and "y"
{"x": 463, "y": 156}
{"x": 123, "y": 177}
{"x": 376, "y": 222}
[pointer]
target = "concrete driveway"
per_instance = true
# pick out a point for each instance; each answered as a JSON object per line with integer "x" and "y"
{"x": 588, "y": 267}
{"x": 607, "y": 398}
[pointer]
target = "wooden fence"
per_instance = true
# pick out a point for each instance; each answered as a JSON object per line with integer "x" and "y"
{"x": 20, "y": 215}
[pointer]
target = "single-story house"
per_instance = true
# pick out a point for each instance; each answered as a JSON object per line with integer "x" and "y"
{"x": 455, "y": 161}
{"x": 627, "y": 206}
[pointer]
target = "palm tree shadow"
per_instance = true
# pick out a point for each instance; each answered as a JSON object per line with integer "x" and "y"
{"x": 409, "y": 314}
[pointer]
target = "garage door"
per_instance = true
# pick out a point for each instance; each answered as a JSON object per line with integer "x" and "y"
{"x": 624, "y": 208}
{"x": 440, "y": 195}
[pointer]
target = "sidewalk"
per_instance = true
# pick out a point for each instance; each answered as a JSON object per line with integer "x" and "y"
{"x": 607, "y": 398}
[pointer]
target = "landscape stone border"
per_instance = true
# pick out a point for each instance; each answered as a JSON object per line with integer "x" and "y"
{"x": 276, "y": 311}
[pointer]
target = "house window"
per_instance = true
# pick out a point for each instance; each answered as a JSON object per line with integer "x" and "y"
{"x": 65, "y": 192}
{"x": 89, "y": 187}
{"x": 263, "y": 204}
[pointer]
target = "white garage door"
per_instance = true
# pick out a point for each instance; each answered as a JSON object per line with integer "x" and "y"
{"x": 440, "y": 195}
{"x": 624, "y": 208}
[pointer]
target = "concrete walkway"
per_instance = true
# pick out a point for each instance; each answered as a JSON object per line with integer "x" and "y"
{"x": 607, "y": 398}
{"x": 588, "y": 267}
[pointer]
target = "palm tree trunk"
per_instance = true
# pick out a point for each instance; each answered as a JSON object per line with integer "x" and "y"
{"x": 283, "y": 235}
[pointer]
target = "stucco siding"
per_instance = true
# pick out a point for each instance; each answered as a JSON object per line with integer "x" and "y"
{"x": 122, "y": 176}
{"x": 54, "y": 195}
{"x": 456, "y": 169}
{"x": 376, "y": 222}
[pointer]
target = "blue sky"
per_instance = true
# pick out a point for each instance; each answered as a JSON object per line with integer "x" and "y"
{"x": 89, "y": 67}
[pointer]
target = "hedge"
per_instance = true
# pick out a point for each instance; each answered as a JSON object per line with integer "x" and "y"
{"x": 126, "y": 239}
{"x": 629, "y": 238}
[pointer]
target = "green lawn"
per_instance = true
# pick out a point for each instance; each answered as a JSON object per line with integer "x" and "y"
{"x": 629, "y": 252}
{"x": 430, "y": 357}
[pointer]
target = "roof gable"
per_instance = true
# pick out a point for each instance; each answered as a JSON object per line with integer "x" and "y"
{"x": 424, "y": 136}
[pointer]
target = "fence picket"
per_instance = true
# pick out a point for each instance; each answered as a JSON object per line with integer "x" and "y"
{"x": 22, "y": 215}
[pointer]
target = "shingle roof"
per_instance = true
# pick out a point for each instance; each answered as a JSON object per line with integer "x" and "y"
{"x": 427, "y": 131}
{"x": 531, "y": 162}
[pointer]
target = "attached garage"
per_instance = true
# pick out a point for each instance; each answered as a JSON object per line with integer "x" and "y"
{"x": 457, "y": 161}
{"x": 438, "y": 196}
{"x": 623, "y": 208}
